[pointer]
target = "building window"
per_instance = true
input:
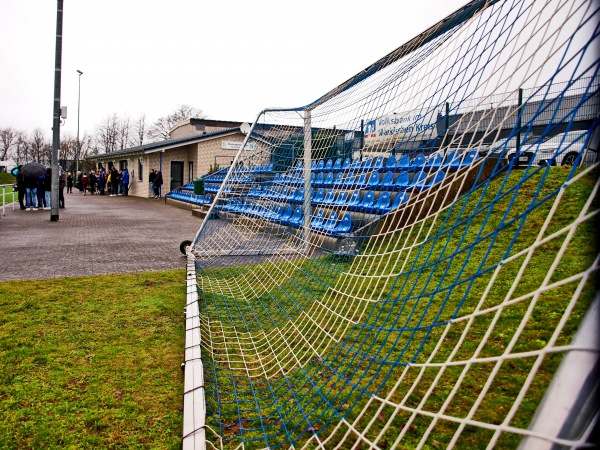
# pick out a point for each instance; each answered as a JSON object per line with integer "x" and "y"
{"x": 191, "y": 171}
{"x": 123, "y": 164}
{"x": 140, "y": 169}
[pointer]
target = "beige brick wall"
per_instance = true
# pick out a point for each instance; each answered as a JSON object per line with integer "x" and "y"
{"x": 202, "y": 154}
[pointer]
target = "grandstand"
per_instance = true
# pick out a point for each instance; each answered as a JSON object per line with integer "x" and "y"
{"x": 410, "y": 261}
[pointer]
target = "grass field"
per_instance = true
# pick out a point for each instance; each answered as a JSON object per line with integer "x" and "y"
{"x": 6, "y": 178}
{"x": 92, "y": 362}
{"x": 307, "y": 343}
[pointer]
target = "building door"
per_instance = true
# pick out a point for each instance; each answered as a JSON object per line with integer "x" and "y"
{"x": 176, "y": 174}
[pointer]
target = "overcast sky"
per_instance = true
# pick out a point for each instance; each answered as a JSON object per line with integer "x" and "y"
{"x": 229, "y": 58}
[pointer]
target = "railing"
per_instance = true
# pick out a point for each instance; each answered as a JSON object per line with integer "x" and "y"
{"x": 7, "y": 196}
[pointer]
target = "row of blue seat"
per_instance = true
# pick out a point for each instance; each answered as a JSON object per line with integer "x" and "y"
{"x": 343, "y": 200}
{"x": 284, "y": 215}
{"x": 452, "y": 161}
{"x": 190, "y": 197}
{"x": 387, "y": 181}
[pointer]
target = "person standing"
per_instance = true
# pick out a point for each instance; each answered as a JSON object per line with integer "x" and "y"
{"x": 114, "y": 180}
{"x": 125, "y": 182}
{"x": 31, "y": 192}
{"x": 101, "y": 181}
{"x": 62, "y": 181}
{"x": 40, "y": 191}
{"x": 93, "y": 182}
{"x": 70, "y": 183}
{"x": 158, "y": 181}
{"x": 47, "y": 188}
{"x": 151, "y": 178}
{"x": 21, "y": 188}
{"x": 84, "y": 183}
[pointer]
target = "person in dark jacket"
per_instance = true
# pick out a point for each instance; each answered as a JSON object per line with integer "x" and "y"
{"x": 114, "y": 181}
{"x": 158, "y": 181}
{"x": 47, "y": 188}
{"x": 62, "y": 181}
{"x": 21, "y": 191}
{"x": 31, "y": 192}
{"x": 93, "y": 182}
{"x": 70, "y": 183}
{"x": 151, "y": 179}
{"x": 125, "y": 182}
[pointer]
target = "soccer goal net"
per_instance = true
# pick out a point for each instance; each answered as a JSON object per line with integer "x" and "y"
{"x": 410, "y": 261}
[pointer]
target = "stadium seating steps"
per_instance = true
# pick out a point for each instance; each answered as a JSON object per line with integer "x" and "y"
{"x": 344, "y": 194}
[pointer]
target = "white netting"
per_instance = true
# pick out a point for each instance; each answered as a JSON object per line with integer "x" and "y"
{"x": 405, "y": 261}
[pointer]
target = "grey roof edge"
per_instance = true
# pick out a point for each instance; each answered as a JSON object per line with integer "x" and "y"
{"x": 159, "y": 145}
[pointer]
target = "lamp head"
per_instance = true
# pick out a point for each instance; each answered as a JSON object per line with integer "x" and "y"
{"x": 79, "y": 72}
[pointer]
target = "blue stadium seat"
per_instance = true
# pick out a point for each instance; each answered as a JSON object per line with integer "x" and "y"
{"x": 356, "y": 163}
{"x": 297, "y": 218}
{"x": 434, "y": 162}
{"x": 361, "y": 181}
{"x": 401, "y": 198}
{"x": 337, "y": 167}
{"x": 382, "y": 204}
{"x": 452, "y": 161}
{"x": 367, "y": 202}
{"x": 319, "y": 180}
{"x": 319, "y": 196}
{"x": 354, "y": 199}
{"x": 339, "y": 179}
{"x": 285, "y": 215}
{"x": 403, "y": 163}
{"x": 330, "y": 223}
{"x": 387, "y": 183}
{"x": 437, "y": 177}
{"x": 329, "y": 197}
{"x": 329, "y": 165}
{"x": 418, "y": 162}
{"x": 321, "y": 164}
{"x": 276, "y": 213}
{"x": 291, "y": 195}
{"x": 373, "y": 182}
{"x": 341, "y": 199}
{"x": 367, "y": 164}
{"x": 378, "y": 163}
{"x": 344, "y": 226}
{"x": 328, "y": 181}
{"x": 390, "y": 164}
{"x": 347, "y": 164}
{"x": 402, "y": 181}
{"x": 318, "y": 220}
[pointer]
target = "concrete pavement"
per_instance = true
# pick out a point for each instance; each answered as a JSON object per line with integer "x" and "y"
{"x": 94, "y": 235}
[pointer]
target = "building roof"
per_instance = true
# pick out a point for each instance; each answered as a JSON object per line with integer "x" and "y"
{"x": 164, "y": 145}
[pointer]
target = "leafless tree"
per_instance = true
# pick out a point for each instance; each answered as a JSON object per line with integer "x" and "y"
{"x": 40, "y": 148}
{"x": 8, "y": 138}
{"x": 161, "y": 128}
{"x": 139, "y": 128}
{"x": 21, "y": 149}
{"x": 107, "y": 134}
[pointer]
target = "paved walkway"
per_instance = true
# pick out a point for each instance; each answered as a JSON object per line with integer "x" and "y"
{"x": 94, "y": 235}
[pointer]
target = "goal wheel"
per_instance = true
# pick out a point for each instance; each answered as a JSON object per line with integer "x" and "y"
{"x": 185, "y": 247}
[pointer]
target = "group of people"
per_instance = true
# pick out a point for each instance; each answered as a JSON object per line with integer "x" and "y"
{"x": 34, "y": 192}
{"x": 156, "y": 182}
{"x": 112, "y": 182}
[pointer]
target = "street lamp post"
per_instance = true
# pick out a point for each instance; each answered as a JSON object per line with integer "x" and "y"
{"x": 56, "y": 114}
{"x": 78, "y": 107}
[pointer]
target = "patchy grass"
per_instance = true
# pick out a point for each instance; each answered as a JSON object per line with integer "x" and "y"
{"x": 290, "y": 349}
{"x": 92, "y": 362}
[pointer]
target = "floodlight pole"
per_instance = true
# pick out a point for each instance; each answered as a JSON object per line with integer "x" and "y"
{"x": 56, "y": 121}
{"x": 78, "y": 108}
